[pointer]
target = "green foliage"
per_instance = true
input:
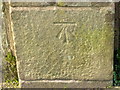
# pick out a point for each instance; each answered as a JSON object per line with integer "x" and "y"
{"x": 109, "y": 87}
{"x": 60, "y": 3}
{"x": 118, "y": 56}
{"x": 116, "y": 74}
{"x": 10, "y": 74}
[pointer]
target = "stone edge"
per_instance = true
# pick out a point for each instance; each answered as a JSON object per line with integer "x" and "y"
{"x": 61, "y": 4}
{"x": 65, "y": 84}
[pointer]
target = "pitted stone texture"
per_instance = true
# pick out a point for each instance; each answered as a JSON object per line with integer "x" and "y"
{"x": 63, "y": 43}
{"x": 101, "y": 4}
{"x": 74, "y": 4}
{"x": 86, "y": 4}
{"x": 61, "y": 4}
{"x": 31, "y": 4}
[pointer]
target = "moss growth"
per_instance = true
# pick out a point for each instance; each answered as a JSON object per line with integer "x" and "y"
{"x": 10, "y": 72}
{"x": 109, "y": 87}
{"x": 116, "y": 80}
{"x": 60, "y": 3}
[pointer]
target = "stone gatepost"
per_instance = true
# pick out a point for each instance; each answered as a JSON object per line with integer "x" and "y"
{"x": 63, "y": 45}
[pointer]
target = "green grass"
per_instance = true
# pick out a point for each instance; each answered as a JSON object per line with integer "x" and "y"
{"x": 116, "y": 74}
{"x": 10, "y": 71}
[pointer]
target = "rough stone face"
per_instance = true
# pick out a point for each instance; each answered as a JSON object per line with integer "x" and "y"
{"x": 31, "y": 4}
{"x": 64, "y": 43}
{"x": 61, "y": 4}
{"x": 45, "y": 4}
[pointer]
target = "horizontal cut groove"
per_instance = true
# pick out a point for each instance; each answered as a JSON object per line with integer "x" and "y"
{"x": 62, "y": 23}
{"x": 53, "y": 8}
{"x": 68, "y": 80}
{"x": 59, "y": 6}
{"x": 49, "y": 8}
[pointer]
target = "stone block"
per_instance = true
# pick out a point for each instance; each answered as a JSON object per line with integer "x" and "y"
{"x": 62, "y": 43}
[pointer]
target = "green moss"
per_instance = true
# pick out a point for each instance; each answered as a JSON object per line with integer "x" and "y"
{"x": 93, "y": 38}
{"x": 116, "y": 73}
{"x": 60, "y": 3}
{"x": 10, "y": 72}
{"x": 109, "y": 87}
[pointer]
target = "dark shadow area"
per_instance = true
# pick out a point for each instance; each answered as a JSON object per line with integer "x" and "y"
{"x": 116, "y": 74}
